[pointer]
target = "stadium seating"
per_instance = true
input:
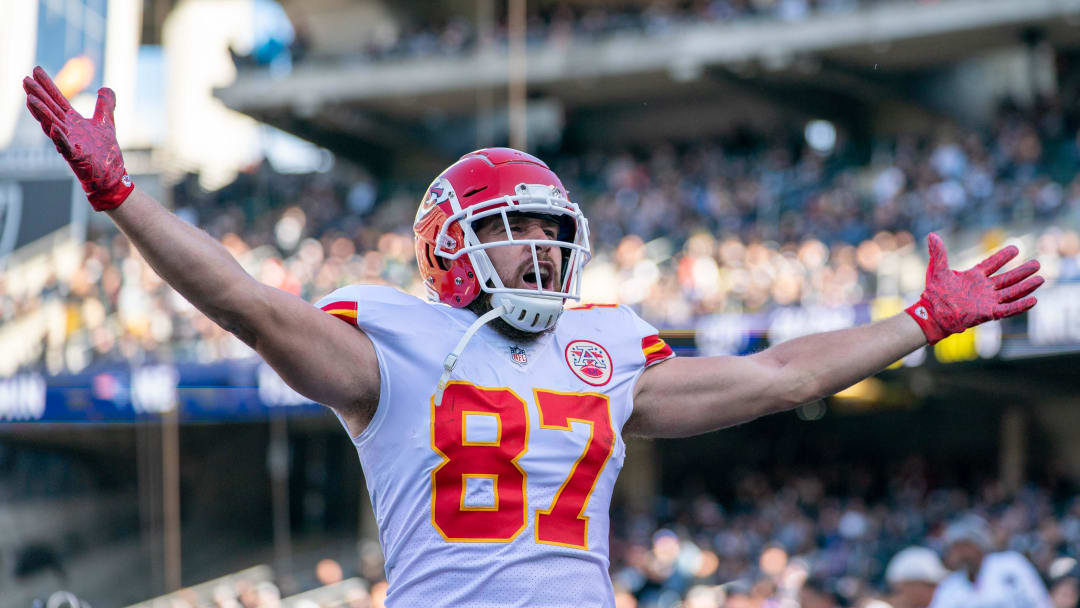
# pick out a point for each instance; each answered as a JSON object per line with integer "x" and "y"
{"x": 680, "y": 232}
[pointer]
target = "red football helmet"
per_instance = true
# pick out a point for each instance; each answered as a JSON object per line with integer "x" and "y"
{"x": 454, "y": 263}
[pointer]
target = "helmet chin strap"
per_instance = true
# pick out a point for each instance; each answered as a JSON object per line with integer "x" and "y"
{"x": 528, "y": 312}
{"x": 525, "y": 312}
{"x": 539, "y": 314}
{"x": 451, "y": 360}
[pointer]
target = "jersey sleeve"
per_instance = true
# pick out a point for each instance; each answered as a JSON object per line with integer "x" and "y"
{"x": 368, "y": 306}
{"x": 398, "y": 326}
{"x": 340, "y": 305}
{"x": 653, "y": 347}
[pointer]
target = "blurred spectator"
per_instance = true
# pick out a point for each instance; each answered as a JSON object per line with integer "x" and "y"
{"x": 35, "y": 558}
{"x": 913, "y": 574}
{"x": 1065, "y": 583}
{"x": 738, "y": 594}
{"x": 984, "y": 577}
{"x": 817, "y": 593}
{"x": 328, "y": 572}
{"x": 378, "y": 595}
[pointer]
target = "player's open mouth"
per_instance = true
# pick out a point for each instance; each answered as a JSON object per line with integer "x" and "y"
{"x": 530, "y": 280}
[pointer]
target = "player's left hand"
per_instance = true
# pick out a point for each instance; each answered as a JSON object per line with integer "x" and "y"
{"x": 954, "y": 301}
{"x": 87, "y": 144}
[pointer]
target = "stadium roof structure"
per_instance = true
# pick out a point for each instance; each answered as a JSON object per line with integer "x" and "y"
{"x": 360, "y": 107}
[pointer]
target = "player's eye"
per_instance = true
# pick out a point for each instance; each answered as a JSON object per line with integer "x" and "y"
{"x": 494, "y": 228}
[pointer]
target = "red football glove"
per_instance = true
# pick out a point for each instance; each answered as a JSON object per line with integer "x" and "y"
{"x": 89, "y": 146}
{"x": 954, "y": 301}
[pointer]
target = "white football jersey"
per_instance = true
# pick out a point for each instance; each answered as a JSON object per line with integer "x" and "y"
{"x": 500, "y": 496}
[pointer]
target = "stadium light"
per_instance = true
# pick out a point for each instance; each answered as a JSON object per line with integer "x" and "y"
{"x": 821, "y": 136}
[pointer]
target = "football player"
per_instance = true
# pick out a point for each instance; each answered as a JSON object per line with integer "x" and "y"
{"x": 490, "y": 423}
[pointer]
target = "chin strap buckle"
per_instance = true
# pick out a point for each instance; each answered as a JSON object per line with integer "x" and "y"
{"x": 448, "y": 367}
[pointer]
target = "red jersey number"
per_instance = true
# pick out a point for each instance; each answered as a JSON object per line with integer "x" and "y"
{"x": 564, "y": 522}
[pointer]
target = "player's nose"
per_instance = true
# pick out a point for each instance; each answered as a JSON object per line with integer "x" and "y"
{"x": 539, "y": 232}
{"x": 548, "y": 230}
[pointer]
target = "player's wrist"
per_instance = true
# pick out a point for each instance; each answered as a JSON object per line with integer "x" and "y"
{"x": 111, "y": 196}
{"x": 923, "y": 313}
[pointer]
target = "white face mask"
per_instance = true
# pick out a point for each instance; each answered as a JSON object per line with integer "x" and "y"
{"x": 532, "y": 308}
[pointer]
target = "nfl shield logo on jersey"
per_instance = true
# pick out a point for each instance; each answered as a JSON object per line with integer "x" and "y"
{"x": 518, "y": 355}
{"x": 589, "y": 361}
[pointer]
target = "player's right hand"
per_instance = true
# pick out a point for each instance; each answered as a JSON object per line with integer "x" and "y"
{"x": 87, "y": 144}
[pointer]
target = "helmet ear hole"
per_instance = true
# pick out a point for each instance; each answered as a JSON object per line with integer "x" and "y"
{"x": 435, "y": 260}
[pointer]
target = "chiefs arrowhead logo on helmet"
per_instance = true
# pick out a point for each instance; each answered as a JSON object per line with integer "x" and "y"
{"x": 439, "y": 191}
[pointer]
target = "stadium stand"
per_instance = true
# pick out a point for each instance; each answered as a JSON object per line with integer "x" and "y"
{"x": 681, "y": 231}
{"x": 350, "y": 592}
{"x": 249, "y": 586}
{"x": 781, "y": 527}
{"x": 776, "y": 529}
{"x": 555, "y": 22}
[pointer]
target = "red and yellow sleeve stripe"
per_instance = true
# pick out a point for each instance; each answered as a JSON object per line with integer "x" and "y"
{"x": 655, "y": 350}
{"x": 346, "y": 311}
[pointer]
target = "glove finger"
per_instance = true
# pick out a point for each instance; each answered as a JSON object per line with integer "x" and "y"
{"x": 1014, "y": 308}
{"x": 38, "y": 116}
{"x": 991, "y": 264}
{"x": 939, "y": 259}
{"x": 33, "y": 88}
{"x": 63, "y": 146}
{"x": 106, "y": 103}
{"x": 54, "y": 93}
{"x": 42, "y": 113}
{"x": 1019, "y": 290}
{"x": 1015, "y": 275}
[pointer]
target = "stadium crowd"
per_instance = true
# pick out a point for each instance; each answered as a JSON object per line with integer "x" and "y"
{"x": 679, "y": 232}
{"x": 827, "y": 537}
{"x": 795, "y": 538}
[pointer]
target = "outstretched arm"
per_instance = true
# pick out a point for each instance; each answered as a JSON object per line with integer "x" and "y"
{"x": 683, "y": 397}
{"x": 303, "y": 344}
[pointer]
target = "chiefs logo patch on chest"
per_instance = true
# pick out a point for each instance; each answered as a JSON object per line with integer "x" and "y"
{"x": 589, "y": 361}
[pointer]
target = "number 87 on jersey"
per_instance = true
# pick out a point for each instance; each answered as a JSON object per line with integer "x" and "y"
{"x": 493, "y": 465}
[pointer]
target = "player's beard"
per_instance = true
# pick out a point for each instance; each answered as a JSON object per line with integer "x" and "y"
{"x": 482, "y": 304}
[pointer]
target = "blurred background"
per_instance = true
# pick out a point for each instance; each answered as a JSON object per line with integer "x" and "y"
{"x": 754, "y": 170}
